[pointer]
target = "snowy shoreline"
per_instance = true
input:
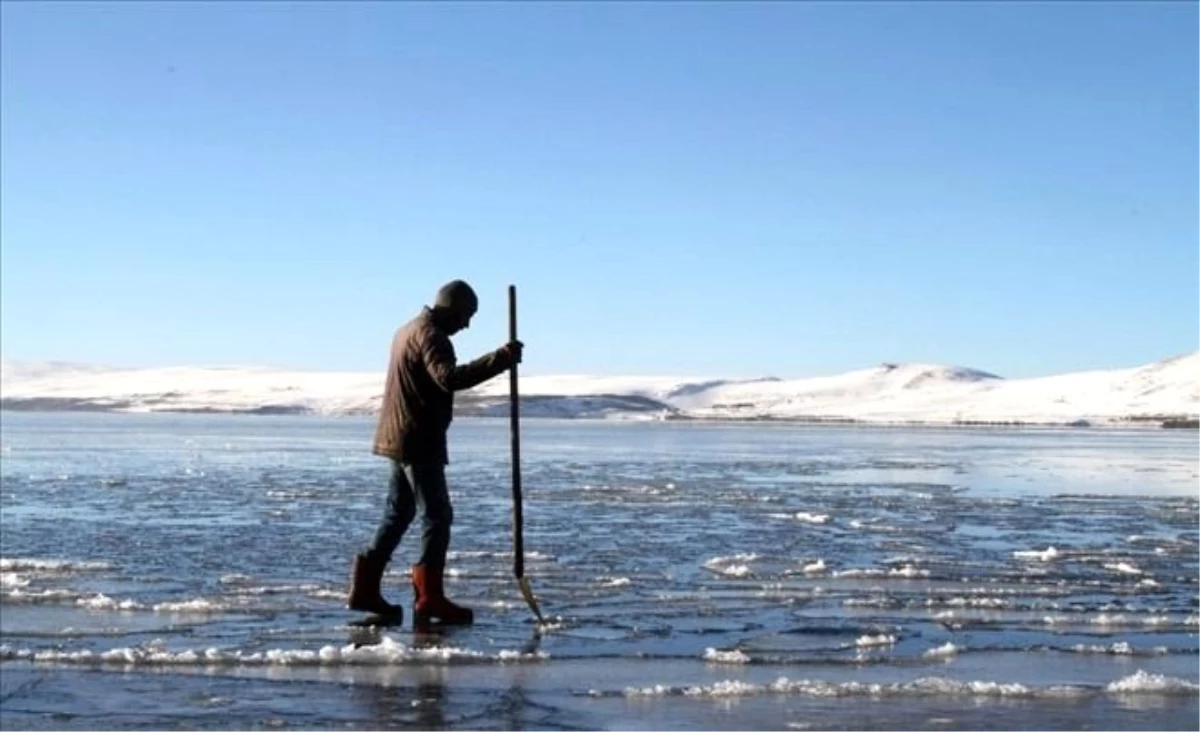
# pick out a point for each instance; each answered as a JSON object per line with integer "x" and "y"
{"x": 1131, "y": 423}
{"x": 1161, "y": 394}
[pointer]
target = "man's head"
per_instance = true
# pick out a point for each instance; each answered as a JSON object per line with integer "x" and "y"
{"x": 454, "y": 305}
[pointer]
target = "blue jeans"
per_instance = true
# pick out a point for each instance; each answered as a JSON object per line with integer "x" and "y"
{"x": 414, "y": 486}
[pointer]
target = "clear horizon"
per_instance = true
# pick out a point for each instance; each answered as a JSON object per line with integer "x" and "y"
{"x": 687, "y": 189}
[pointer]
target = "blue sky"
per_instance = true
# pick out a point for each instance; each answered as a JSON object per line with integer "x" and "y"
{"x": 731, "y": 189}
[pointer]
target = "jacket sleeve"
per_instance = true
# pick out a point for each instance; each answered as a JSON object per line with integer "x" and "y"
{"x": 441, "y": 362}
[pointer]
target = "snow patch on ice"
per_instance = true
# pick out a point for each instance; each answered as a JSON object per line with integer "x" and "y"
{"x": 387, "y": 652}
{"x": 12, "y": 579}
{"x": 922, "y": 687}
{"x": 1047, "y": 555}
{"x": 942, "y": 651}
{"x": 855, "y": 573}
{"x": 104, "y": 602}
{"x": 1123, "y": 568}
{"x": 199, "y": 606}
{"x": 26, "y": 564}
{"x": 908, "y": 571}
{"x": 40, "y": 596}
{"x": 734, "y": 566}
{"x": 1142, "y": 682}
{"x": 712, "y": 655}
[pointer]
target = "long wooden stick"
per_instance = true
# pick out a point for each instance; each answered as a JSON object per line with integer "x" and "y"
{"x": 514, "y": 412}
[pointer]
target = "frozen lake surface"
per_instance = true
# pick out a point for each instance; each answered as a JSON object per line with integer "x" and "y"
{"x": 188, "y": 570}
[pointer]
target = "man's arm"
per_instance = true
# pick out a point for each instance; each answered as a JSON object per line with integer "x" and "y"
{"x": 442, "y": 365}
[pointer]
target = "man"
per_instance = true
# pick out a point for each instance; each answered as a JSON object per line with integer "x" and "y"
{"x": 418, "y": 400}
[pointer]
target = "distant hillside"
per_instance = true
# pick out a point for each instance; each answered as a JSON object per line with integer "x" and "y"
{"x": 890, "y": 393}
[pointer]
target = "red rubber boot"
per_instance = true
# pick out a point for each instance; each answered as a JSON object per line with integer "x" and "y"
{"x": 430, "y": 605}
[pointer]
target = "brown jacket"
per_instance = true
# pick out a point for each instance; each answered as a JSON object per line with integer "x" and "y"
{"x": 418, "y": 393}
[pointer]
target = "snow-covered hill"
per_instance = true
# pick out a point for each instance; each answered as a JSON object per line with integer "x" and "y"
{"x": 889, "y": 393}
